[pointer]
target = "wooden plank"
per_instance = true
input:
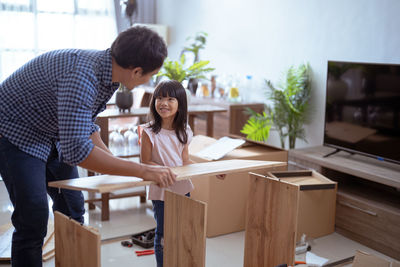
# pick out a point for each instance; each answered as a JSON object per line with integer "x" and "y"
{"x": 184, "y": 231}
{"x": 109, "y": 183}
{"x": 271, "y": 222}
{"x": 75, "y": 244}
{"x": 6, "y": 232}
{"x": 48, "y": 245}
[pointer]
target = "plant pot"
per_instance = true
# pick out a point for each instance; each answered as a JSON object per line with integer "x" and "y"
{"x": 124, "y": 100}
{"x": 192, "y": 85}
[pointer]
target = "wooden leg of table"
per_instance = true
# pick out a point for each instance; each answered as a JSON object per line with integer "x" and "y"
{"x": 143, "y": 199}
{"x": 184, "y": 231}
{"x": 103, "y": 124}
{"x": 191, "y": 122}
{"x": 270, "y": 237}
{"x": 210, "y": 124}
{"x": 105, "y": 208}
{"x": 91, "y": 195}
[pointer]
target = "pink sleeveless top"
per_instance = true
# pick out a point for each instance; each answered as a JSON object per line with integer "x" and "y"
{"x": 167, "y": 151}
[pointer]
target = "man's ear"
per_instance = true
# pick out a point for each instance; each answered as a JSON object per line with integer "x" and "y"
{"x": 138, "y": 71}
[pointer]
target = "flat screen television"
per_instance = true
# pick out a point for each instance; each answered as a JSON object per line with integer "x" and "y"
{"x": 362, "y": 112}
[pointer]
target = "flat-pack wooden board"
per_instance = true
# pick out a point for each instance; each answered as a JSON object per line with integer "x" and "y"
{"x": 109, "y": 183}
{"x": 184, "y": 231}
{"x": 270, "y": 237}
{"x": 6, "y": 232}
{"x": 317, "y": 201}
{"x": 75, "y": 244}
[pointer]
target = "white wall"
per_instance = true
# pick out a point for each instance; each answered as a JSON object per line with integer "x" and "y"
{"x": 265, "y": 37}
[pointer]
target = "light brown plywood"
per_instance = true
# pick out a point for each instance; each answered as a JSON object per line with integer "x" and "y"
{"x": 184, "y": 231}
{"x": 109, "y": 183}
{"x": 271, "y": 222}
{"x": 75, "y": 244}
{"x": 6, "y": 232}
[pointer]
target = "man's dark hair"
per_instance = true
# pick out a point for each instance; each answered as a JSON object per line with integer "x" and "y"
{"x": 139, "y": 47}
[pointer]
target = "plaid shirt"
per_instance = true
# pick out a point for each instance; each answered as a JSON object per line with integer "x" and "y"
{"x": 53, "y": 100}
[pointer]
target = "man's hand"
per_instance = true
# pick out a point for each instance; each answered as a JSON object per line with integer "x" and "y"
{"x": 161, "y": 175}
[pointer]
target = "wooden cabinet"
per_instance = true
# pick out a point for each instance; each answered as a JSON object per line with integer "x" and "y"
{"x": 368, "y": 196}
{"x": 368, "y": 221}
{"x": 234, "y": 121}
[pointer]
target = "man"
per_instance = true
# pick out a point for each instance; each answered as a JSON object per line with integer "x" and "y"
{"x": 47, "y": 113}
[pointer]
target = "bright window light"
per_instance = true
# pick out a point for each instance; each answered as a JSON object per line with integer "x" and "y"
{"x": 36, "y": 26}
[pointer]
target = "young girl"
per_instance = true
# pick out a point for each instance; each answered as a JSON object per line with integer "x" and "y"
{"x": 165, "y": 141}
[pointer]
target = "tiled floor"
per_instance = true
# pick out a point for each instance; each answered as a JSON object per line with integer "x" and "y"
{"x": 128, "y": 216}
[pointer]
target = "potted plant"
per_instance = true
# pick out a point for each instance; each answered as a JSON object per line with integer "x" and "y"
{"x": 199, "y": 42}
{"x": 124, "y": 98}
{"x": 176, "y": 70}
{"x": 289, "y": 109}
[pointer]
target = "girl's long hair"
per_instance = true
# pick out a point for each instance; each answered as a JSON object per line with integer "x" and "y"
{"x": 174, "y": 89}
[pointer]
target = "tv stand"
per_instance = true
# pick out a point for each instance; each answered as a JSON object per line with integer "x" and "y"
{"x": 368, "y": 196}
{"x": 334, "y": 152}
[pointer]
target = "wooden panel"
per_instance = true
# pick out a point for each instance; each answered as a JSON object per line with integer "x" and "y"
{"x": 184, "y": 231}
{"x": 272, "y": 208}
{"x": 109, "y": 183}
{"x": 357, "y": 165}
{"x": 223, "y": 166}
{"x": 75, "y": 245}
{"x": 369, "y": 223}
{"x": 317, "y": 202}
{"x": 6, "y": 232}
{"x": 238, "y": 117}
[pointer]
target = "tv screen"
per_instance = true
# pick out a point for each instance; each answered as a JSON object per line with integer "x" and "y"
{"x": 362, "y": 112}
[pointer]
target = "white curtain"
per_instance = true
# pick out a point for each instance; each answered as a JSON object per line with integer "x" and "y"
{"x": 30, "y": 27}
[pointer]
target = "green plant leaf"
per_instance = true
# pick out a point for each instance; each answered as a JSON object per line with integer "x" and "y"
{"x": 289, "y": 103}
{"x": 257, "y": 127}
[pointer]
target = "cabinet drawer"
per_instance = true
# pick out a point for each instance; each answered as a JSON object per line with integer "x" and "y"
{"x": 378, "y": 225}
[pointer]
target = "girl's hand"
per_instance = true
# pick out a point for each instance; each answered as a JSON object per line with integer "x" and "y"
{"x": 161, "y": 175}
{"x": 221, "y": 176}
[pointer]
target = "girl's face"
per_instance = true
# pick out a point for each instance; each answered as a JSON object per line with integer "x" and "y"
{"x": 166, "y": 107}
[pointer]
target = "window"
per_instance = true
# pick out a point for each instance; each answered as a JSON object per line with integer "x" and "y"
{"x": 31, "y": 27}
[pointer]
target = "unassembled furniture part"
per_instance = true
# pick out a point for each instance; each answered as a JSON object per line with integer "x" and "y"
{"x": 317, "y": 202}
{"x": 184, "y": 243}
{"x": 368, "y": 196}
{"x": 184, "y": 231}
{"x": 76, "y": 245}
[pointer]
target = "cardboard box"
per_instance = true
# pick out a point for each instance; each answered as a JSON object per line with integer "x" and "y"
{"x": 364, "y": 259}
{"x": 227, "y": 199}
{"x": 317, "y": 202}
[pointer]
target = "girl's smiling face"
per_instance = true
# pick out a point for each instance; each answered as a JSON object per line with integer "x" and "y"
{"x": 166, "y": 107}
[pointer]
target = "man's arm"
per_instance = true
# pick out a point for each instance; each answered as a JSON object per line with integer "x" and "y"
{"x": 97, "y": 141}
{"x": 101, "y": 160}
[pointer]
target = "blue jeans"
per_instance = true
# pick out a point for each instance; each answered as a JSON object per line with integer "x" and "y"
{"x": 26, "y": 179}
{"x": 158, "y": 208}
